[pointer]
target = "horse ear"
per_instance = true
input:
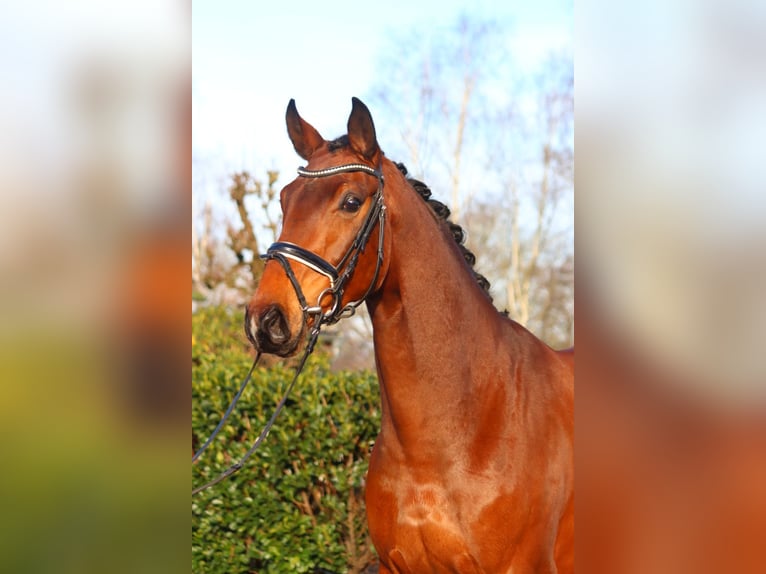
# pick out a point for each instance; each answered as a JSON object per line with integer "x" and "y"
{"x": 306, "y": 140}
{"x": 361, "y": 131}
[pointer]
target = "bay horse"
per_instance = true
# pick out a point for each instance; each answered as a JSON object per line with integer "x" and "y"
{"x": 472, "y": 471}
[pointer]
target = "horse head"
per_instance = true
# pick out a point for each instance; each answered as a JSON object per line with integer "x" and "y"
{"x": 329, "y": 255}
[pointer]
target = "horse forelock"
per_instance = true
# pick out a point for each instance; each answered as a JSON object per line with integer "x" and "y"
{"x": 338, "y": 143}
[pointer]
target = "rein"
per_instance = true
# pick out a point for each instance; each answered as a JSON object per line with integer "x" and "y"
{"x": 338, "y": 275}
{"x": 229, "y": 410}
{"x": 264, "y": 433}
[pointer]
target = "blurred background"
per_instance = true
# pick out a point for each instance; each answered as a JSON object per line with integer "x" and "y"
{"x": 671, "y": 285}
{"x": 95, "y": 174}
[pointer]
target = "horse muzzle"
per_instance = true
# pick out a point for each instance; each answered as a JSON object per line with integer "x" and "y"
{"x": 269, "y": 331}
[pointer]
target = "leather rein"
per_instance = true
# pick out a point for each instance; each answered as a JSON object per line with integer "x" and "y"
{"x": 339, "y": 275}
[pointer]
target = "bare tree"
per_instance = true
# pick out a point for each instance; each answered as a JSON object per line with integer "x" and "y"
{"x": 532, "y": 221}
{"x": 211, "y": 264}
{"x": 467, "y": 122}
{"x": 231, "y": 262}
{"x": 242, "y": 240}
{"x": 436, "y": 97}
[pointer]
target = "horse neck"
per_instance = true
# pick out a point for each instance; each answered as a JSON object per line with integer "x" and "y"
{"x": 429, "y": 319}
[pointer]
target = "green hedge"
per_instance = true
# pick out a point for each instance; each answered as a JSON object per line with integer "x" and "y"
{"x": 298, "y": 504}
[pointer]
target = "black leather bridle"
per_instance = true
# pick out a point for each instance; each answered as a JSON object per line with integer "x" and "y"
{"x": 340, "y": 273}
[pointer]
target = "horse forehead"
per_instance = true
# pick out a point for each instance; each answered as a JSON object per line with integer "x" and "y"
{"x": 304, "y": 193}
{"x": 324, "y": 158}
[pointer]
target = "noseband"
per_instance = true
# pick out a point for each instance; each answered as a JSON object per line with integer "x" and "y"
{"x": 340, "y": 273}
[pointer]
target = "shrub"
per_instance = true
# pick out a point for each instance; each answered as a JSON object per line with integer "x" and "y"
{"x": 298, "y": 504}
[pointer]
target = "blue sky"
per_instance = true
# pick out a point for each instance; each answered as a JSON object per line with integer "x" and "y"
{"x": 250, "y": 58}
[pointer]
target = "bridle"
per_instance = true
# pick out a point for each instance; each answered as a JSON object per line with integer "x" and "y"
{"x": 340, "y": 273}
{"x": 339, "y": 276}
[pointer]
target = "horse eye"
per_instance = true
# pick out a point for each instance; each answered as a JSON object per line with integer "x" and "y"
{"x": 351, "y": 204}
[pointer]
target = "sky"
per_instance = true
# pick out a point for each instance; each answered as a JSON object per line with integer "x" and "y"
{"x": 249, "y": 59}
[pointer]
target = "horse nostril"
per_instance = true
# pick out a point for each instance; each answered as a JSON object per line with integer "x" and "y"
{"x": 274, "y": 326}
{"x": 251, "y": 328}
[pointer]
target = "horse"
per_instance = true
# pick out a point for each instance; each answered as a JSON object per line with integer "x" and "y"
{"x": 472, "y": 470}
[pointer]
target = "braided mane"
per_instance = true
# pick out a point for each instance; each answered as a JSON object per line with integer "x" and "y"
{"x": 441, "y": 211}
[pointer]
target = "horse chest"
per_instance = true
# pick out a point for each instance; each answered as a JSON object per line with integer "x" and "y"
{"x": 454, "y": 521}
{"x": 427, "y": 525}
{"x": 425, "y": 534}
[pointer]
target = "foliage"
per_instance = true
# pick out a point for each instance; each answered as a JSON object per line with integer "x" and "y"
{"x": 298, "y": 504}
{"x": 87, "y": 486}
